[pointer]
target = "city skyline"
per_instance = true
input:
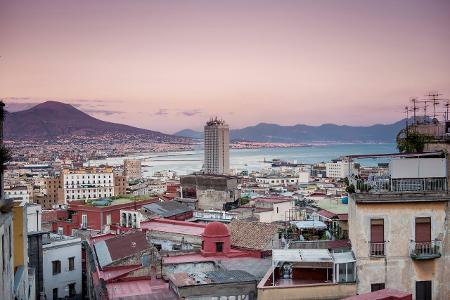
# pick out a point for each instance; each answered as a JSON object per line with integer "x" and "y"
{"x": 170, "y": 66}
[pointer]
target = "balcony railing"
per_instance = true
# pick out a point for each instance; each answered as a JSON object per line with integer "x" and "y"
{"x": 377, "y": 249}
{"x": 386, "y": 184}
{"x": 425, "y": 250}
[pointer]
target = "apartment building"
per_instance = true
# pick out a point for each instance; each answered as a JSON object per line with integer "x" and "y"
{"x": 398, "y": 227}
{"x": 132, "y": 169}
{"x": 339, "y": 169}
{"x": 62, "y": 266}
{"x": 18, "y": 193}
{"x": 88, "y": 183}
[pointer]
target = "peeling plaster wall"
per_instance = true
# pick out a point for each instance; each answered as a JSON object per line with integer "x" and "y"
{"x": 397, "y": 269}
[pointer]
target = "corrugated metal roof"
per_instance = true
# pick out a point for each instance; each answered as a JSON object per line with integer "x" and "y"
{"x": 313, "y": 224}
{"x": 301, "y": 255}
{"x": 343, "y": 257}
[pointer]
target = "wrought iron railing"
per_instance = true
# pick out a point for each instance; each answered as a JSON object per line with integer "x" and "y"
{"x": 425, "y": 250}
{"x": 377, "y": 249}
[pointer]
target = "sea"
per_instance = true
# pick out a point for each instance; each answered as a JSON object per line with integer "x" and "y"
{"x": 186, "y": 162}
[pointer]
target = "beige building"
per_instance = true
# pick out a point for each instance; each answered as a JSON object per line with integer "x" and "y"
{"x": 54, "y": 193}
{"x": 132, "y": 169}
{"x": 399, "y": 229}
{"x": 120, "y": 185}
{"x": 210, "y": 191}
{"x": 217, "y": 147}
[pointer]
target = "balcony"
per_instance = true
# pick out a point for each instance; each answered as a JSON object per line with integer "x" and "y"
{"x": 377, "y": 249}
{"x": 383, "y": 184}
{"x": 425, "y": 250}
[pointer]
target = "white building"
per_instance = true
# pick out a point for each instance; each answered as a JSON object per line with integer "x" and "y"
{"x": 303, "y": 177}
{"x": 217, "y": 147}
{"x": 18, "y": 193}
{"x": 339, "y": 169}
{"x": 6, "y": 257}
{"x": 34, "y": 217}
{"x": 62, "y": 266}
{"x": 88, "y": 183}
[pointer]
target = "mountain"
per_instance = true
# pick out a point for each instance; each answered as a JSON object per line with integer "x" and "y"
{"x": 189, "y": 133}
{"x": 264, "y": 132}
{"x": 53, "y": 119}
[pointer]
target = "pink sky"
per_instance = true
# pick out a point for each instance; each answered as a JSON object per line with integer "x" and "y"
{"x": 170, "y": 65}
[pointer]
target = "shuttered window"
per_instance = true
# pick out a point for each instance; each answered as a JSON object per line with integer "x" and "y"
{"x": 377, "y": 230}
{"x": 423, "y": 230}
{"x": 423, "y": 290}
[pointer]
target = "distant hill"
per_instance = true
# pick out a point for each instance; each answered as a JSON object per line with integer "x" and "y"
{"x": 189, "y": 133}
{"x": 53, "y": 119}
{"x": 300, "y": 133}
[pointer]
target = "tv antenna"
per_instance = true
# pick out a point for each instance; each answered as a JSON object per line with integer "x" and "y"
{"x": 414, "y": 109}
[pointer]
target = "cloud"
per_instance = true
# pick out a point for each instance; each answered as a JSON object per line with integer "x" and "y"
{"x": 162, "y": 112}
{"x": 191, "y": 113}
{"x": 19, "y": 106}
{"x": 103, "y": 112}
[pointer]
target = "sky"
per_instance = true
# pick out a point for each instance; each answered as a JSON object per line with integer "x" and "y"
{"x": 170, "y": 65}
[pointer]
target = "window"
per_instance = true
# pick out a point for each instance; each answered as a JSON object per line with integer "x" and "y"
{"x": 84, "y": 221}
{"x": 219, "y": 246}
{"x": 60, "y": 230}
{"x": 56, "y": 267}
{"x": 71, "y": 263}
{"x": 108, "y": 218}
{"x": 72, "y": 291}
{"x": 55, "y": 294}
{"x": 377, "y": 237}
{"x": 423, "y": 230}
{"x": 423, "y": 290}
{"x": 376, "y": 287}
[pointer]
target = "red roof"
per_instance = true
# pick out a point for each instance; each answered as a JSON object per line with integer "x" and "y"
{"x": 216, "y": 229}
{"x": 154, "y": 289}
{"x": 343, "y": 217}
{"x": 385, "y": 294}
{"x": 327, "y": 214}
{"x": 126, "y": 245}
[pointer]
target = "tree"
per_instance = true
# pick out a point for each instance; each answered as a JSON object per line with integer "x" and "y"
{"x": 412, "y": 141}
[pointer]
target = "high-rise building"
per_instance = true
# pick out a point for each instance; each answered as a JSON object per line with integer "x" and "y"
{"x": 217, "y": 147}
{"x": 132, "y": 169}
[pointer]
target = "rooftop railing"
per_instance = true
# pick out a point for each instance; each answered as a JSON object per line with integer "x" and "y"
{"x": 386, "y": 184}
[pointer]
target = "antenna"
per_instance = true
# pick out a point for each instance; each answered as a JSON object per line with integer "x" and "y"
{"x": 414, "y": 109}
{"x": 407, "y": 118}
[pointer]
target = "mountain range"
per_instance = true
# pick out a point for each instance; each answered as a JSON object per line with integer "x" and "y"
{"x": 265, "y": 132}
{"x": 52, "y": 119}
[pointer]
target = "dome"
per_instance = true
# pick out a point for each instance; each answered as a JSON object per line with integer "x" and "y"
{"x": 216, "y": 229}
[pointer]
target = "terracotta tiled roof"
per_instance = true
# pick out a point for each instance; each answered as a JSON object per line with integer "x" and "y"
{"x": 251, "y": 235}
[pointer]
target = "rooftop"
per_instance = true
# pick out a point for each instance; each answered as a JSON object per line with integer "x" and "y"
{"x": 243, "y": 234}
{"x": 168, "y": 208}
{"x": 119, "y": 247}
{"x": 212, "y": 277}
{"x": 172, "y": 226}
{"x": 153, "y": 289}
